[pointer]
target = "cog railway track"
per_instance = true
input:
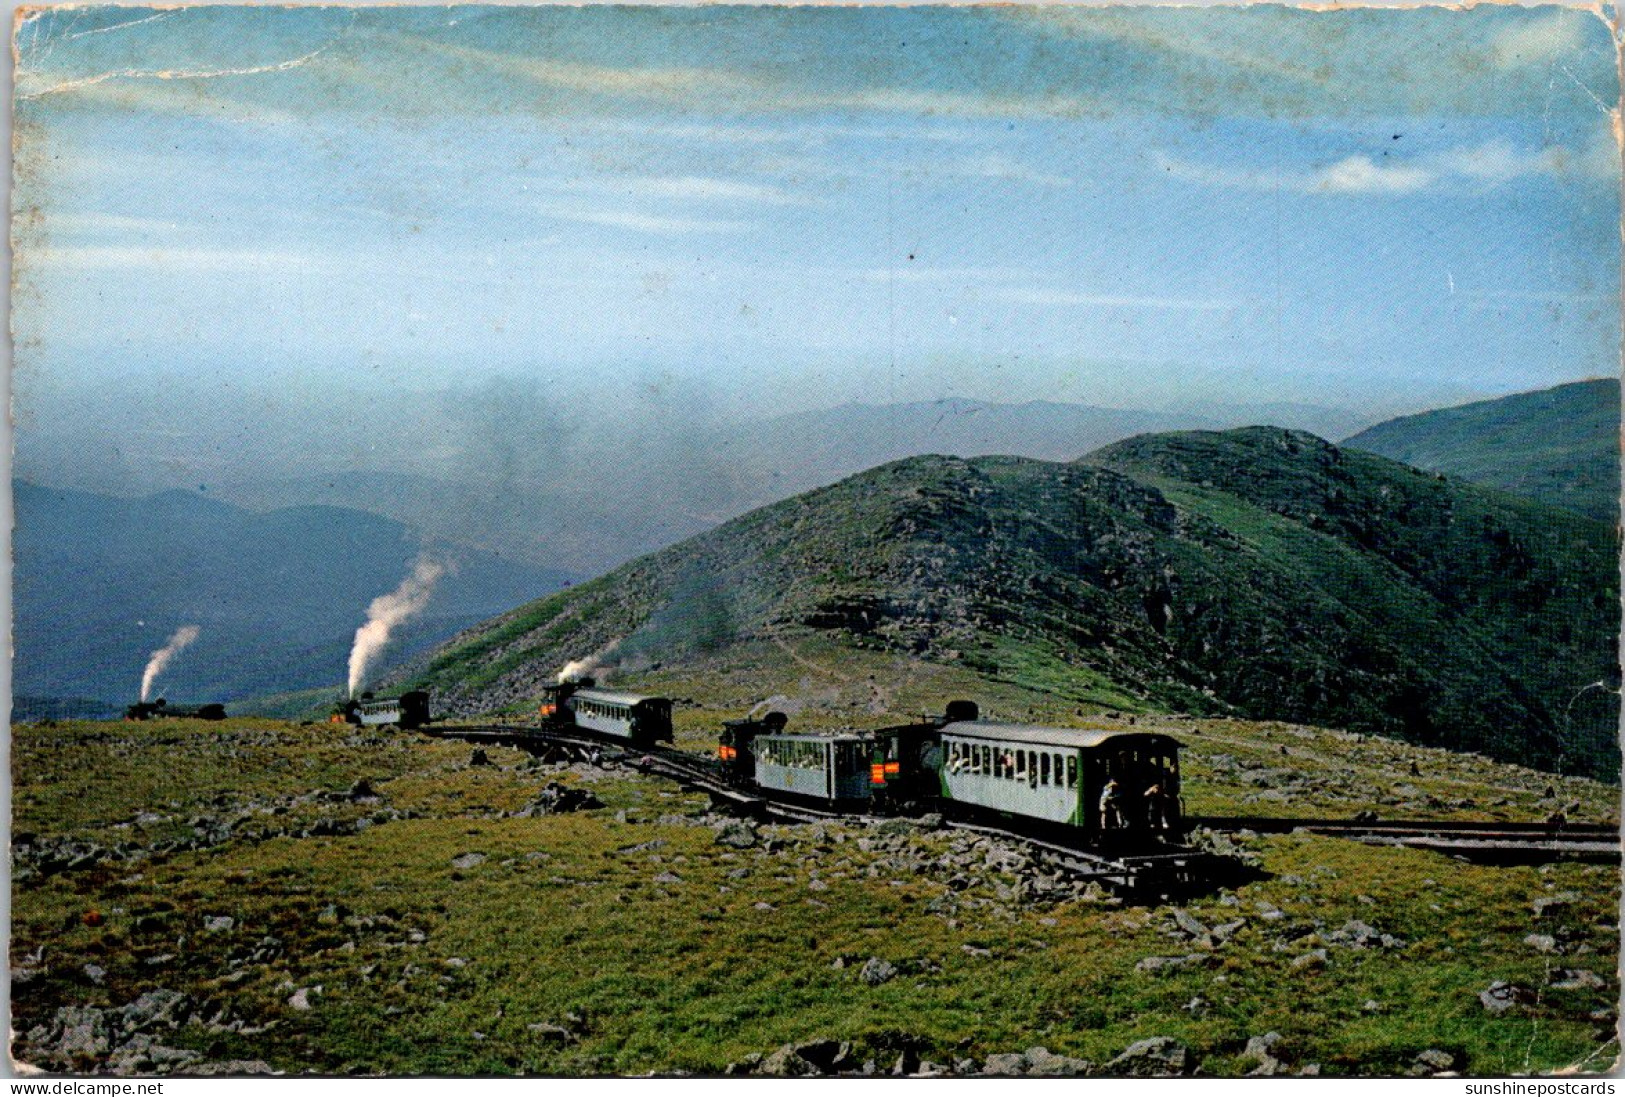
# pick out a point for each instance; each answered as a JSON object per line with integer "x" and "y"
{"x": 1167, "y": 871}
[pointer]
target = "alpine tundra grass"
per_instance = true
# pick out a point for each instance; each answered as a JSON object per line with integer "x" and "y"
{"x": 316, "y": 898}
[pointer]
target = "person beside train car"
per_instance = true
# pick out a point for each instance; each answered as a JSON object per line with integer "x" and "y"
{"x": 1157, "y": 816}
{"x": 1111, "y": 806}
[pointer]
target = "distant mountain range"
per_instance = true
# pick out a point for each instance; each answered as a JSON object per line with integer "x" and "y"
{"x": 608, "y": 496}
{"x": 1257, "y": 571}
{"x": 100, "y": 583}
{"x": 1560, "y": 445}
{"x": 279, "y": 589}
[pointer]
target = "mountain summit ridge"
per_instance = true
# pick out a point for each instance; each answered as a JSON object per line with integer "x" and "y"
{"x": 1559, "y": 445}
{"x": 1259, "y": 571}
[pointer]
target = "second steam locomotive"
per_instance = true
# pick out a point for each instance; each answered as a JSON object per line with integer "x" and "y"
{"x": 1116, "y": 789}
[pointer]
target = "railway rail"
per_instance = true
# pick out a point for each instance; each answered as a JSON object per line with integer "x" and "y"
{"x": 1168, "y": 871}
{"x": 1497, "y": 842}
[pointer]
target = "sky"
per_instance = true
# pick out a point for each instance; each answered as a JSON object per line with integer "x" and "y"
{"x": 270, "y": 228}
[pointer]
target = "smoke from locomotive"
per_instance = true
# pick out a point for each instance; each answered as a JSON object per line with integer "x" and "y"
{"x": 577, "y": 669}
{"x": 386, "y": 612}
{"x": 182, "y": 637}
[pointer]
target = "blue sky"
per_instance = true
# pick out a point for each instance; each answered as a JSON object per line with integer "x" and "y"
{"x": 270, "y": 211}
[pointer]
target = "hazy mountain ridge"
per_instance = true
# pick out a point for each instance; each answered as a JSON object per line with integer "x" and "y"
{"x": 1558, "y": 445}
{"x": 101, "y": 582}
{"x": 1256, "y": 571}
{"x": 589, "y": 500}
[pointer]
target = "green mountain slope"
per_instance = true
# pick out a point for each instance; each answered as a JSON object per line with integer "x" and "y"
{"x": 1258, "y": 571}
{"x": 1560, "y": 446}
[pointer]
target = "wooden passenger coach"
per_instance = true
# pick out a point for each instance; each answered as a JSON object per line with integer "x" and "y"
{"x": 835, "y": 767}
{"x": 1061, "y": 776}
{"x": 409, "y": 710}
{"x": 643, "y": 720}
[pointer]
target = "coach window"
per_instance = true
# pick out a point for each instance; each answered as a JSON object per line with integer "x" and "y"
{"x": 1043, "y": 770}
{"x": 1071, "y": 771}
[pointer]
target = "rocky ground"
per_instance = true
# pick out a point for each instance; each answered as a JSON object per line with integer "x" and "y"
{"x": 260, "y": 897}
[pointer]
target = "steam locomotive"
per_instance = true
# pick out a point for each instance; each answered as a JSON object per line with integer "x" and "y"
{"x": 145, "y": 710}
{"x": 1117, "y": 788}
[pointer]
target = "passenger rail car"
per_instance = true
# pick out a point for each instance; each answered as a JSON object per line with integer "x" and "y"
{"x": 643, "y": 721}
{"x": 834, "y": 768}
{"x": 409, "y": 710}
{"x": 1114, "y": 786}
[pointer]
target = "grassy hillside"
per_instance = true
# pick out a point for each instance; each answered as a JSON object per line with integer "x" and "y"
{"x": 1256, "y": 572}
{"x": 1560, "y": 445}
{"x": 195, "y": 898}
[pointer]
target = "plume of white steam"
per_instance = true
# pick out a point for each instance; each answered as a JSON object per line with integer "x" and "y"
{"x": 160, "y": 658}
{"x": 387, "y": 611}
{"x": 580, "y": 668}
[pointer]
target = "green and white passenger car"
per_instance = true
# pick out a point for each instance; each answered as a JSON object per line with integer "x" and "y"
{"x": 823, "y": 767}
{"x": 1107, "y": 783}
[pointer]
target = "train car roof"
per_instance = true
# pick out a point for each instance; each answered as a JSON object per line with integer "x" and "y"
{"x": 613, "y": 698}
{"x": 812, "y": 736}
{"x": 1075, "y": 738}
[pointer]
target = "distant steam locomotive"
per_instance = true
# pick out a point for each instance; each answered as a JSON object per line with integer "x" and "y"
{"x": 152, "y": 710}
{"x": 409, "y": 710}
{"x": 642, "y": 721}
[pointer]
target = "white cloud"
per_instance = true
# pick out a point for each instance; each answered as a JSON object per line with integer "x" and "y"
{"x": 1539, "y": 41}
{"x": 1068, "y": 299}
{"x": 1007, "y": 169}
{"x": 1016, "y": 285}
{"x": 29, "y": 84}
{"x": 631, "y": 220}
{"x": 682, "y": 188}
{"x": 1541, "y": 297}
{"x": 206, "y": 260}
{"x": 1492, "y": 163}
{"x": 1496, "y": 162}
{"x": 1362, "y": 175}
{"x": 103, "y": 223}
{"x": 923, "y": 275}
